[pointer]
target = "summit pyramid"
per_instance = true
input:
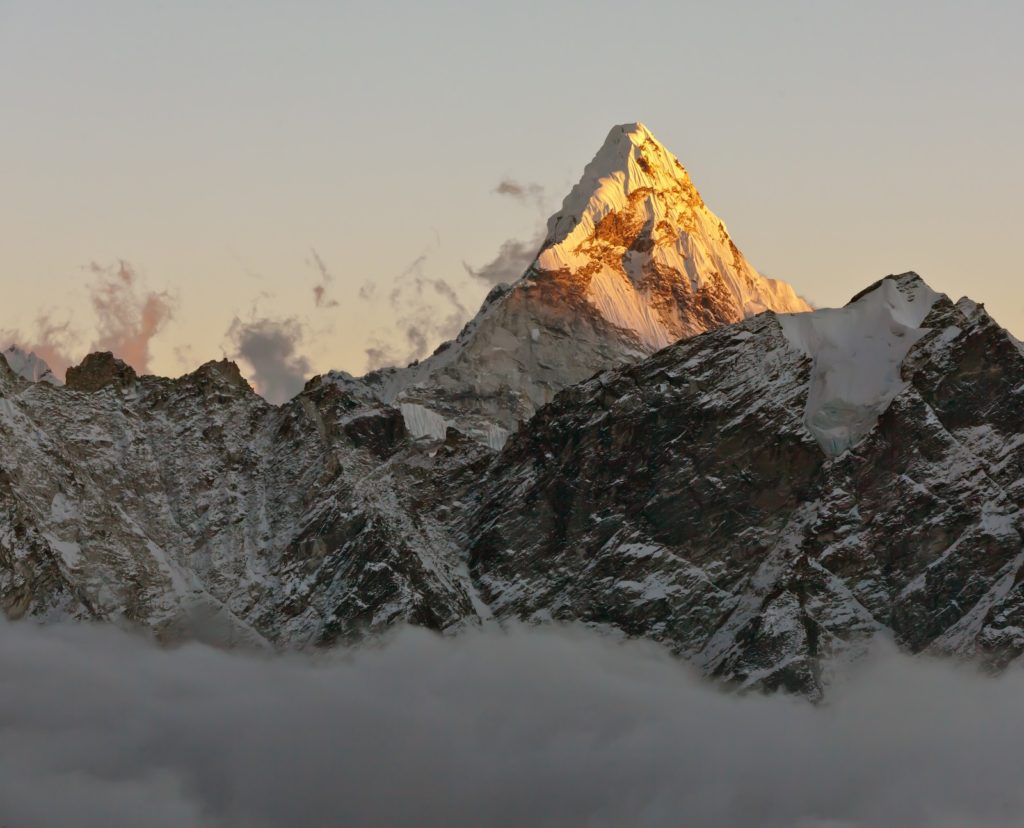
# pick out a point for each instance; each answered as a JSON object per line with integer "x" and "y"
{"x": 633, "y": 261}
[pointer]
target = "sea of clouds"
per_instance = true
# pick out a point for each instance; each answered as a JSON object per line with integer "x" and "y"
{"x": 524, "y": 727}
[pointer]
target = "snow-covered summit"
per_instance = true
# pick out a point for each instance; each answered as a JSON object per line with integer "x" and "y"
{"x": 656, "y": 260}
{"x": 630, "y": 159}
{"x": 27, "y": 365}
{"x": 620, "y": 167}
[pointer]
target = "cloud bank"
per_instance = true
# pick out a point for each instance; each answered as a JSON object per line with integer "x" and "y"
{"x": 555, "y": 727}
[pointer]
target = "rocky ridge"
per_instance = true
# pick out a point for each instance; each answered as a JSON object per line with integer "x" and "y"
{"x": 686, "y": 499}
{"x": 195, "y": 508}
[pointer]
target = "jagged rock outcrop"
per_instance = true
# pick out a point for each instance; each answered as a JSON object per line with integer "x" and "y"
{"x": 99, "y": 370}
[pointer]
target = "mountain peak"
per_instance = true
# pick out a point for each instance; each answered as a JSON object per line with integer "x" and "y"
{"x": 652, "y": 258}
{"x": 624, "y": 139}
{"x": 98, "y": 370}
{"x": 630, "y": 159}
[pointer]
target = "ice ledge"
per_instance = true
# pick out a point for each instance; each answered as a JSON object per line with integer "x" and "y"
{"x": 422, "y": 422}
{"x": 858, "y": 352}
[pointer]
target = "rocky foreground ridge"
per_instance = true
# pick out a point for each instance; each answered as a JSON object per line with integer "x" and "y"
{"x": 689, "y": 498}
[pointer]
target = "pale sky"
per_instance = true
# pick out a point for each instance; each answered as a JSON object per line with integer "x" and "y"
{"x": 214, "y": 146}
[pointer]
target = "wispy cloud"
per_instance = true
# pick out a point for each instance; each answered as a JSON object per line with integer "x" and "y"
{"x": 380, "y": 354}
{"x": 513, "y": 258}
{"x": 530, "y": 192}
{"x": 321, "y": 299}
{"x": 50, "y": 340}
{"x": 427, "y": 310}
{"x": 128, "y": 315}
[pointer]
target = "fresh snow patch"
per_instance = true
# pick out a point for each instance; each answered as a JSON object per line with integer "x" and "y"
{"x": 69, "y": 551}
{"x": 62, "y": 509}
{"x": 858, "y": 351}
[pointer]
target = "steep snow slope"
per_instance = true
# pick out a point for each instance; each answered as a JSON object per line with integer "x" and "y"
{"x": 28, "y": 366}
{"x": 633, "y": 261}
